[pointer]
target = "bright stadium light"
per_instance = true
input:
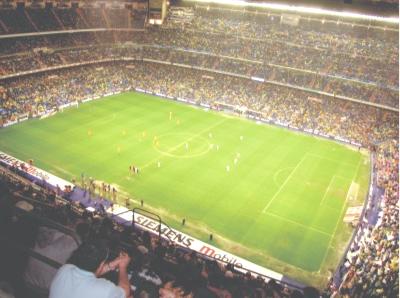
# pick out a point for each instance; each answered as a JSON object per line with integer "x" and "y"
{"x": 301, "y": 9}
{"x": 257, "y": 79}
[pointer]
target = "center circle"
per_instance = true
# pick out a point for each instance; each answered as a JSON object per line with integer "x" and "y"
{"x": 181, "y": 145}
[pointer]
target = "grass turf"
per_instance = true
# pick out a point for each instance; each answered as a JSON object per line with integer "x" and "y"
{"x": 281, "y": 205}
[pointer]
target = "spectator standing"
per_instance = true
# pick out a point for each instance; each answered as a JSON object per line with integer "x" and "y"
{"x": 82, "y": 275}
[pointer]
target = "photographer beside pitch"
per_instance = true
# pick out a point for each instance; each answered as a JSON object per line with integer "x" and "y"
{"x": 82, "y": 275}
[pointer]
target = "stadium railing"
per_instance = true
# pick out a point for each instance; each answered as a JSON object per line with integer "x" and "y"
{"x": 148, "y": 214}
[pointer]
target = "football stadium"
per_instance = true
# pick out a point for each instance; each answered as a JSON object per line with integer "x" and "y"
{"x": 203, "y": 148}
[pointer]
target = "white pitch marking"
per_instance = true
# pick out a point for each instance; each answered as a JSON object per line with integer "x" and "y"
{"x": 184, "y": 142}
{"x": 333, "y": 178}
{"x": 278, "y": 172}
{"x": 327, "y": 189}
{"x": 341, "y": 213}
{"x": 284, "y": 183}
{"x": 299, "y": 224}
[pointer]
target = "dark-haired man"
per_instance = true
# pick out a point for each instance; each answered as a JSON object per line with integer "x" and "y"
{"x": 81, "y": 276}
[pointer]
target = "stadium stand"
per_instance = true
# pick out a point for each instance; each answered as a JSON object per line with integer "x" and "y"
{"x": 325, "y": 76}
{"x": 157, "y": 267}
{"x": 339, "y": 78}
{"x": 370, "y": 268}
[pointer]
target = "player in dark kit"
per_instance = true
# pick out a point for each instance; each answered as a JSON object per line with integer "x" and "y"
{"x": 134, "y": 169}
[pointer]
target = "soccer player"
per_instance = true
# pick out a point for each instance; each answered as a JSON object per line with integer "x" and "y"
{"x": 228, "y": 168}
{"x": 158, "y": 164}
{"x": 170, "y": 115}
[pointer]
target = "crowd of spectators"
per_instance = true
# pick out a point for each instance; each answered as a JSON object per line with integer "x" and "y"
{"x": 372, "y": 264}
{"x": 299, "y": 78}
{"x": 37, "y": 94}
{"x": 12, "y": 47}
{"x": 340, "y": 58}
{"x": 158, "y": 268}
{"x": 335, "y": 47}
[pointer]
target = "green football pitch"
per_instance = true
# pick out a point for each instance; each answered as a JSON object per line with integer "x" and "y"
{"x": 273, "y": 196}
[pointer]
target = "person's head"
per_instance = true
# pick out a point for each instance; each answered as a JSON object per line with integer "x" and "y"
{"x": 90, "y": 255}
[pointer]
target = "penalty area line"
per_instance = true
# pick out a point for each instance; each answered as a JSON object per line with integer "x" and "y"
{"x": 327, "y": 189}
{"x": 300, "y": 224}
{"x": 329, "y": 186}
{"x": 340, "y": 217}
{"x": 284, "y": 183}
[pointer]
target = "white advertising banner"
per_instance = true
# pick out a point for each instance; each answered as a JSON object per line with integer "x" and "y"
{"x": 189, "y": 242}
{"x": 33, "y": 171}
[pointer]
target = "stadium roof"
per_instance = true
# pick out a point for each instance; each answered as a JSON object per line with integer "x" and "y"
{"x": 376, "y": 8}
